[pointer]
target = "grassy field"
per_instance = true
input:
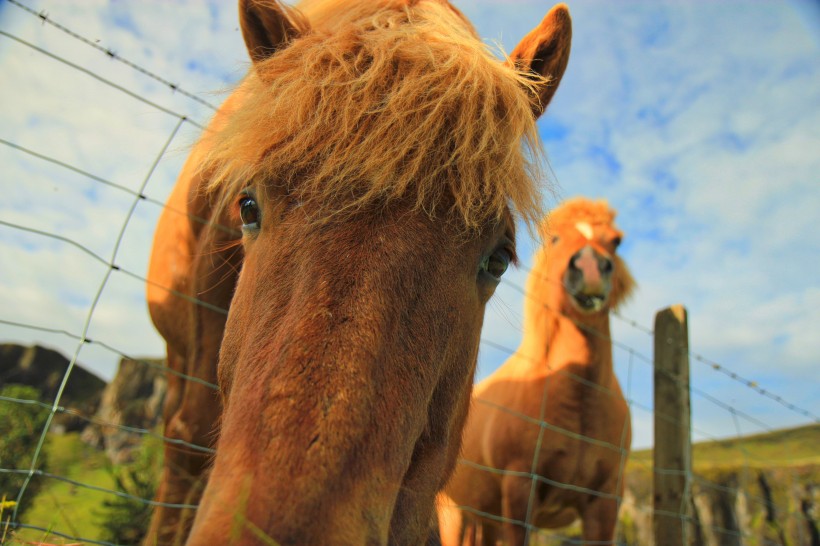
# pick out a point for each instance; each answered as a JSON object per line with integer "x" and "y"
{"x": 63, "y": 506}
{"x": 788, "y": 447}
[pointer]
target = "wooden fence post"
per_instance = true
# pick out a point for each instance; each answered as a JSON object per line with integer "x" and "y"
{"x": 672, "y": 514}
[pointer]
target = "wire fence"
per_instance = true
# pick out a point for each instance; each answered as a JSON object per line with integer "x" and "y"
{"x": 702, "y": 485}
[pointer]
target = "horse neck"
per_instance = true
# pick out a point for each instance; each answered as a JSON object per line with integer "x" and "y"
{"x": 553, "y": 341}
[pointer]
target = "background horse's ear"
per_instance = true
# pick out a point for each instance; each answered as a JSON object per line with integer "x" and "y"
{"x": 267, "y": 26}
{"x": 545, "y": 51}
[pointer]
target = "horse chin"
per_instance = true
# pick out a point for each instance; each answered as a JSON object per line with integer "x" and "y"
{"x": 589, "y": 303}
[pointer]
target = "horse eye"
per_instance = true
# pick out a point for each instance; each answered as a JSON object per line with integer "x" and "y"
{"x": 555, "y": 239}
{"x": 496, "y": 264}
{"x": 249, "y": 212}
{"x": 616, "y": 242}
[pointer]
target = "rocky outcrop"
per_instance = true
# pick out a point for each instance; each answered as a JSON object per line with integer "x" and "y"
{"x": 760, "y": 490}
{"x": 44, "y": 369}
{"x": 131, "y": 403}
{"x": 735, "y": 506}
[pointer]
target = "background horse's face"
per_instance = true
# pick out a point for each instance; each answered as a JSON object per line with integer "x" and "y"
{"x": 339, "y": 334}
{"x": 581, "y": 264}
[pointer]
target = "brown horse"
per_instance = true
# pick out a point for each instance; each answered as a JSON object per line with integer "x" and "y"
{"x": 548, "y": 433}
{"x": 376, "y": 157}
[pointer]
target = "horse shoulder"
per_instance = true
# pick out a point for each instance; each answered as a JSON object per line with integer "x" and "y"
{"x": 183, "y": 223}
{"x": 173, "y": 252}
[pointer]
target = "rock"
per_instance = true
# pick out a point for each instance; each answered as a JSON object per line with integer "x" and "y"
{"x": 733, "y": 505}
{"x": 133, "y": 399}
{"x": 44, "y": 369}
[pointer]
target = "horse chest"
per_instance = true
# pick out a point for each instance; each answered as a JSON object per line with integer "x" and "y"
{"x": 587, "y": 429}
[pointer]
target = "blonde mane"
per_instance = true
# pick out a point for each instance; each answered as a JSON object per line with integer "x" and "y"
{"x": 401, "y": 103}
{"x": 578, "y": 209}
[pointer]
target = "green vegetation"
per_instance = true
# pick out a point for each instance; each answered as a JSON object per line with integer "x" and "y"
{"x": 64, "y": 506}
{"x": 80, "y": 511}
{"x": 125, "y": 520}
{"x": 760, "y": 486}
{"x": 789, "y": 447}
{"x": 20, "y": 428}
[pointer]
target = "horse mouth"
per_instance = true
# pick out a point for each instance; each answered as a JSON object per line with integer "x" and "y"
{"x": 589, "y": 302}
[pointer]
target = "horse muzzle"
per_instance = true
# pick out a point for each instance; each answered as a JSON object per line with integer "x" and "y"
{"x": 588, "y": 279}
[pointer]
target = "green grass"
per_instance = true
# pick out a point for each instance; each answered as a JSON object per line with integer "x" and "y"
{"x": 65, "y": 507}
{"x": 789, "y": 447}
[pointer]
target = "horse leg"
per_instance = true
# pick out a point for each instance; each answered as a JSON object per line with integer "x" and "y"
{"x": 470, "y": 533}
{"x": 599, "y": 519}
{"x": 190, "y": 418}
{"x": 485, "y": 533}
{"x": 193, "y": 410}
{"x": 173, "y": 398}
{"x": 451, "y": 522}
{"x": 515, "y": 497}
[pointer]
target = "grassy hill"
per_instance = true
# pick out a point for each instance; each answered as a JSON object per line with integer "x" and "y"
{"x": 788, "y": 447}
{"x": 755, "y": 490}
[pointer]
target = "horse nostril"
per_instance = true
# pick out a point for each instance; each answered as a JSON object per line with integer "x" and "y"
{"x": 606, "y": 265}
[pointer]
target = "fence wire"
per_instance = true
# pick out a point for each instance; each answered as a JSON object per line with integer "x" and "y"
{"x": 111, "y": 267}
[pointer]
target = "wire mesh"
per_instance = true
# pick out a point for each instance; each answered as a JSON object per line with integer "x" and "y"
{"x": 81, "y": 339}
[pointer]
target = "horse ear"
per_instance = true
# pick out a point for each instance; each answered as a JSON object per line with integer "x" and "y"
{"x": 545, "y": 51}
{"x": 267, "y": 26}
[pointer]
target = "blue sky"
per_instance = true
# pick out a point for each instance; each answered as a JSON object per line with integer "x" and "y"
{"x": 698, "y": 121}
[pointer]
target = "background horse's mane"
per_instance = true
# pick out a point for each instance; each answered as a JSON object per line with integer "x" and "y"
{"x": 404, "y": 103}
{"x": 576, "y": 210}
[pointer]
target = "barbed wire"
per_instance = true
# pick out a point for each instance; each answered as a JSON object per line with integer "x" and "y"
{"x": 98, "y": 78}
{"x": 55, "y": 407}
{"x": 87, "y": 324}
{"x": 43, "y": 17}
{"x": 148, "y": 199}
{"x": 754, "y": 385}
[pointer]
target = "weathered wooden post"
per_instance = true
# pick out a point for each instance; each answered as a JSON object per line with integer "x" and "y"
{"x": 672, "y": 514}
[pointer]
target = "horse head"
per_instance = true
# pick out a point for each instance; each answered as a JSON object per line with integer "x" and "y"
{"x": 579, "y": 261}
{"x": 377, "y": 158}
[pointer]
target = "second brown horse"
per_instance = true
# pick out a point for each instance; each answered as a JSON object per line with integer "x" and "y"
{"x": 548, "y": 433}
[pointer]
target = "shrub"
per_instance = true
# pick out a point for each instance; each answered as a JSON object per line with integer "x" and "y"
{"x": 21, "y": 425}
{"x": 125, "y": 520}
